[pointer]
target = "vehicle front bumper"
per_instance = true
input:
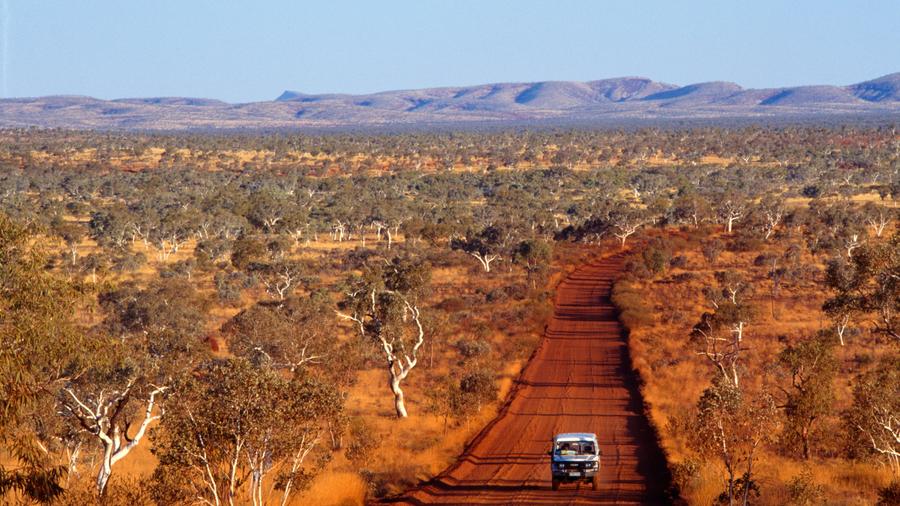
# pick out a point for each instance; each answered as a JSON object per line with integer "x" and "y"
{"x": 574, "y": 474}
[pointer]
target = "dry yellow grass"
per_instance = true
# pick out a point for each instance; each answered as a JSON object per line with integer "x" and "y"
{"x": 675, "y": 376}
{"x": 335, "y": 488}
{"x": 413, "y": 449}
{"x": 331, "y": 164}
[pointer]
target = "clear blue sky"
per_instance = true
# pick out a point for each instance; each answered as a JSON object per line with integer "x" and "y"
{"x": 247, "y": 51}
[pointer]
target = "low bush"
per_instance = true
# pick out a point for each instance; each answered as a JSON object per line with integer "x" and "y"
{"x": 479, "y": 387}
{"x": 633, "y": 310}
{"x": 678, "y": 262}
{"x": 452, "y": 304}
{"x": 363, "y": 441}
{"x": 684, "y": 277}
{"x": 637, "y": 269}
{"x": 496, "y": 295}
{"x": 764, "y": 259}
{"x": 746, "y": 243}
{"x": 712, "y": 249}
{"x": 517, "y": 291}
{"x": 803, "y": 491}
{"x": 656, "y": 257}
{"x": 473, "y": 348}
{"x": 390, "y": 481}
{"x": 890, "y": 495}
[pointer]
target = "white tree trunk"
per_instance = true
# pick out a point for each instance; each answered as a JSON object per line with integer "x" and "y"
{"x": 398, "y": 365}
{"x": 878, "y": 224}
{"x": 486, "y": 260}
{"x": 852, "y": 244}
{"x": 841, "y": 327}
{"x": 72, "y": 460}
{"x": 729, "y": 222}
{"x": 622, "y": 238}
{"x": 399, "y": 402}
{"x": 98, "y": 420}
{"x": 104, "y": 472}
{"x": 296, "y": 462}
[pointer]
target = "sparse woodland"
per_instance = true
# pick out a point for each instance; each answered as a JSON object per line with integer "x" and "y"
{"x": 269, "y": 318}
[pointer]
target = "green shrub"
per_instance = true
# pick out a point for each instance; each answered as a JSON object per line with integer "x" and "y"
{"x": 656, "y": 257}
{"x": 479, "y": 387}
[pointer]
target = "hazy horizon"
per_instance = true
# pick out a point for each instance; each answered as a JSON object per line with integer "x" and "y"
{"x": 203, "y": 49}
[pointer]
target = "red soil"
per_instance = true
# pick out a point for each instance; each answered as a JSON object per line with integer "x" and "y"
{"x": 580, "y": 379}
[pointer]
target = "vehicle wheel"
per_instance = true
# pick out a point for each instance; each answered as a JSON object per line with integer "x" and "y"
{"x": 595, "y": 483}
{"x": 555, "y": 484}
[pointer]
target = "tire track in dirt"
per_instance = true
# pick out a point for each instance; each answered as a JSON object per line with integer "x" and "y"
{"x": 579, "y": 379}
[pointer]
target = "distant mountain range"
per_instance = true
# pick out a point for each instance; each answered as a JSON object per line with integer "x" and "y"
{"x": 608, "y": 101}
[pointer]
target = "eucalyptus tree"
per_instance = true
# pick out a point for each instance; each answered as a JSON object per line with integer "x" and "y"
{"x": 114, "y": 406}
{"x": 771, "y": 211}
{"x": 281, "y": 278}
{"x": 731, "y": 207}
{"x": 112, "y": 227}
{"x": 875, "y": 414}
{"x": 868, "y": 285}
{"x": 625, "y": 221}
{"x": 268, "y": 209}
{"x": 732, "y": 424}
{"x": 487, "y": 246}
{"x": 96, "y": 264}
{"x": 535, "y": 255}
{"x": 292, "y": 334}
{"x": 878, "y": 217}
{"x": 231, "y": 425}
{"x": 647, "y": 183}
{"x": 837, "y": 227}
{"x": 150, "y": 337}
{"x": 176, "y": 225}
{"x": 248, "y": 250}
{"x": 40, "y": 351}
{"x": 72, "y": 233}
{"x": 384, "y": 306}
{"x": 808, "y": 368}
{"x": 221, "y": 215}
{"x": 720, "y": 332}
{"x": 211, "y": 251}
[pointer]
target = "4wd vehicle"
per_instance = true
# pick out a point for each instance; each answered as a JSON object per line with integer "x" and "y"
{"x": 575, "y": 457}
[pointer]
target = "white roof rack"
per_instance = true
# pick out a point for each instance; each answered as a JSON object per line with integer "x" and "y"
{"x": 576, "y": 436}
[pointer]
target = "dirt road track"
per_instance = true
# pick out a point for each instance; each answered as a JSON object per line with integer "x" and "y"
{"x": 579, "y": 380}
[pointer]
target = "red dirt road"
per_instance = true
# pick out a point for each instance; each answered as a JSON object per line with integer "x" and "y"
{"x": 579, "y": 380}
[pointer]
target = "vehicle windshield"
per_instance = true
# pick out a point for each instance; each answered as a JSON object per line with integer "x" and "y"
{"x": 575, "y": 448}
